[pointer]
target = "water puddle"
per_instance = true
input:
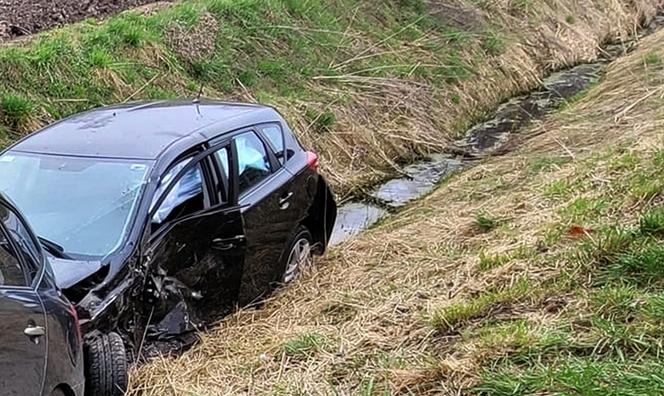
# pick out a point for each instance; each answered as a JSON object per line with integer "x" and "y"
{"x": 353, "y": 218}
{"x": 419, "y": 179}
{"x": 486, "y": 138}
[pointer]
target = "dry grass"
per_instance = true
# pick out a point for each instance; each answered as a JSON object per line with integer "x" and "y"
{"x": 379, "y": 120}
{"x": 388, "y": 120}
{"x": 370, "y": 305}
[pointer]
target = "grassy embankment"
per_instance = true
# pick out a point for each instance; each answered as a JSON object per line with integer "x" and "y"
{"x": 366, "y": 83}
{"x": 537, "y": 272}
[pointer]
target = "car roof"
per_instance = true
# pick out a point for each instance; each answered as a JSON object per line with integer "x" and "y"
{"x": 142, "y": 130}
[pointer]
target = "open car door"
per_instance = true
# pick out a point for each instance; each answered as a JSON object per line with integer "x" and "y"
{"x": 23, "y": 337}
{"x": 196, "y": 252}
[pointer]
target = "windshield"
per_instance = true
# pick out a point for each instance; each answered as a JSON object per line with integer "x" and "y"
{"x": 82, "y": 204}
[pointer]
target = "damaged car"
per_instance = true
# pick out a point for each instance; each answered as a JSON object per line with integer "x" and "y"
{"x": 160, "y": 217}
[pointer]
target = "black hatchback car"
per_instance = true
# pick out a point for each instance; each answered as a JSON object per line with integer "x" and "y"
{"x": 160, "y": 216}
{"x": 41, "y": 349}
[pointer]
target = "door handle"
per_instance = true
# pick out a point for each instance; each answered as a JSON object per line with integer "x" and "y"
{"x": 227, "y": 243}
{"x": 283, "y": 202}
{"x": 34, "y": 331}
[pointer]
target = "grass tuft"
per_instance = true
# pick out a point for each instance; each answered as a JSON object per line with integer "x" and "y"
{"x": 15, "y": 110}
{"x": 652, "y": 222}
{"x": 451, "y": 318}
{"x": 305, "y": 345}
{"x": 484, "y": 222}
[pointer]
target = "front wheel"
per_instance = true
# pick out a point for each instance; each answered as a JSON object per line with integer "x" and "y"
{"x": 105, "y": 366}
{"x": 297, "y": 255}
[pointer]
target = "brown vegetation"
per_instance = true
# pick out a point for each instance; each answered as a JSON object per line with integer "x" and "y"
{"x": 401, "y": 309}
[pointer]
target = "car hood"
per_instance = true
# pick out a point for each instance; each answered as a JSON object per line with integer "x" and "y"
{"x": 70, "y": 272}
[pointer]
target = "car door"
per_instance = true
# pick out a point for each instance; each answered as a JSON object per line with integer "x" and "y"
{"x": 264, "y": 195}
{"x": 23, "y": 337}
{"x": 196, "y": 243}
{"x": 298, "y": 189}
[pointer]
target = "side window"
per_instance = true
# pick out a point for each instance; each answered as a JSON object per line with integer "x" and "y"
{"x": 252, "y": 159}
{"x": 186, "y": 196}
{"x": 275, "y": 136}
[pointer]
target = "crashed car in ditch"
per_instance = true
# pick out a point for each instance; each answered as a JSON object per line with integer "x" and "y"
{"x": 158, "y": 217}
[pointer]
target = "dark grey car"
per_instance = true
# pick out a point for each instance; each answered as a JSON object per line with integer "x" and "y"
{"x": 41, "y": 349}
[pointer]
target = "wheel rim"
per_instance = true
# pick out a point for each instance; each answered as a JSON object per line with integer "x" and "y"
{"x": 298, "y": 259}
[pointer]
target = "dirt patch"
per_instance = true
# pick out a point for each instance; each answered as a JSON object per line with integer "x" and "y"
{"x": 456, "y": 14}
{"x": 196, "y": 43}
{"x": 24, "y": 17}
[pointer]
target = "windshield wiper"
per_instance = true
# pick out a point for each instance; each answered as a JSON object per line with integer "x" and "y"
{"x": 54, "y": 248}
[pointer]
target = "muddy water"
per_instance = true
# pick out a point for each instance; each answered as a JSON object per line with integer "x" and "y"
{"x": 484, "y": 139}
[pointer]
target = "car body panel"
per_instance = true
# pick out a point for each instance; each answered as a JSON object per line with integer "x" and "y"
{"x": 68, "y": 273}
{"x": 64, "y": 366}
{"x": 22, "y": 360}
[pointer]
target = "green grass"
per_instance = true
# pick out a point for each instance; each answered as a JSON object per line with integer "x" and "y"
{"x": 274, "y": 47}
{"x": 488, "y": 262}
{"x": 652, "y": 59}
{"x": 305, "y": 345}
{"x": 15, "y": 110}
{"x": 547, "y": 163}
{"x": 452, "y": 317}
{"x": 493, "y": 44}
{"x": 484, "y": 222}
{"x": 558, "y": 189}
{"x": 652, "y": 222}
{"x": 585, "y": 209}
{"x": 576, "y": 376}
{"x": 608, "y": 345}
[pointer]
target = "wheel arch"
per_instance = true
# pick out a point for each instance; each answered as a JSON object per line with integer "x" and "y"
{"x": 63, "y": 389}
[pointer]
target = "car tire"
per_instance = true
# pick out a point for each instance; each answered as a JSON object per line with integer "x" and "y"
{"x": 105, "y": 366}
{"x": 297, "y": 255}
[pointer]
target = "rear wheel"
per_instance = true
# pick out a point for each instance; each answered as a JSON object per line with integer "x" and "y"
{"x": 297, "y": 255}
{"x": 105, "y": 366}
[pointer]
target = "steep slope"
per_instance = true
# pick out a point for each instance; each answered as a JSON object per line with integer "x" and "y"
{"x": 366, "y": 83}
{"x": 539, "y": 271}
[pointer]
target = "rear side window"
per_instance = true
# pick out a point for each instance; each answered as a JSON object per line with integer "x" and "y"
{"x": 253, "y": 161}
{"x": 275, "y": 136}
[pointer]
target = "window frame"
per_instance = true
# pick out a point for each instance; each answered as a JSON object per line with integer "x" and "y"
{"x": 275, "y": 165}
{"x": 23, "y": 261}
{"x": 227, "y": 195}
{"x": 194, "y": 160}
{"x": 284, "y": 152}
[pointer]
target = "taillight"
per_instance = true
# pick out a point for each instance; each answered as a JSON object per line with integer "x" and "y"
{"x": 312, "y": 161}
